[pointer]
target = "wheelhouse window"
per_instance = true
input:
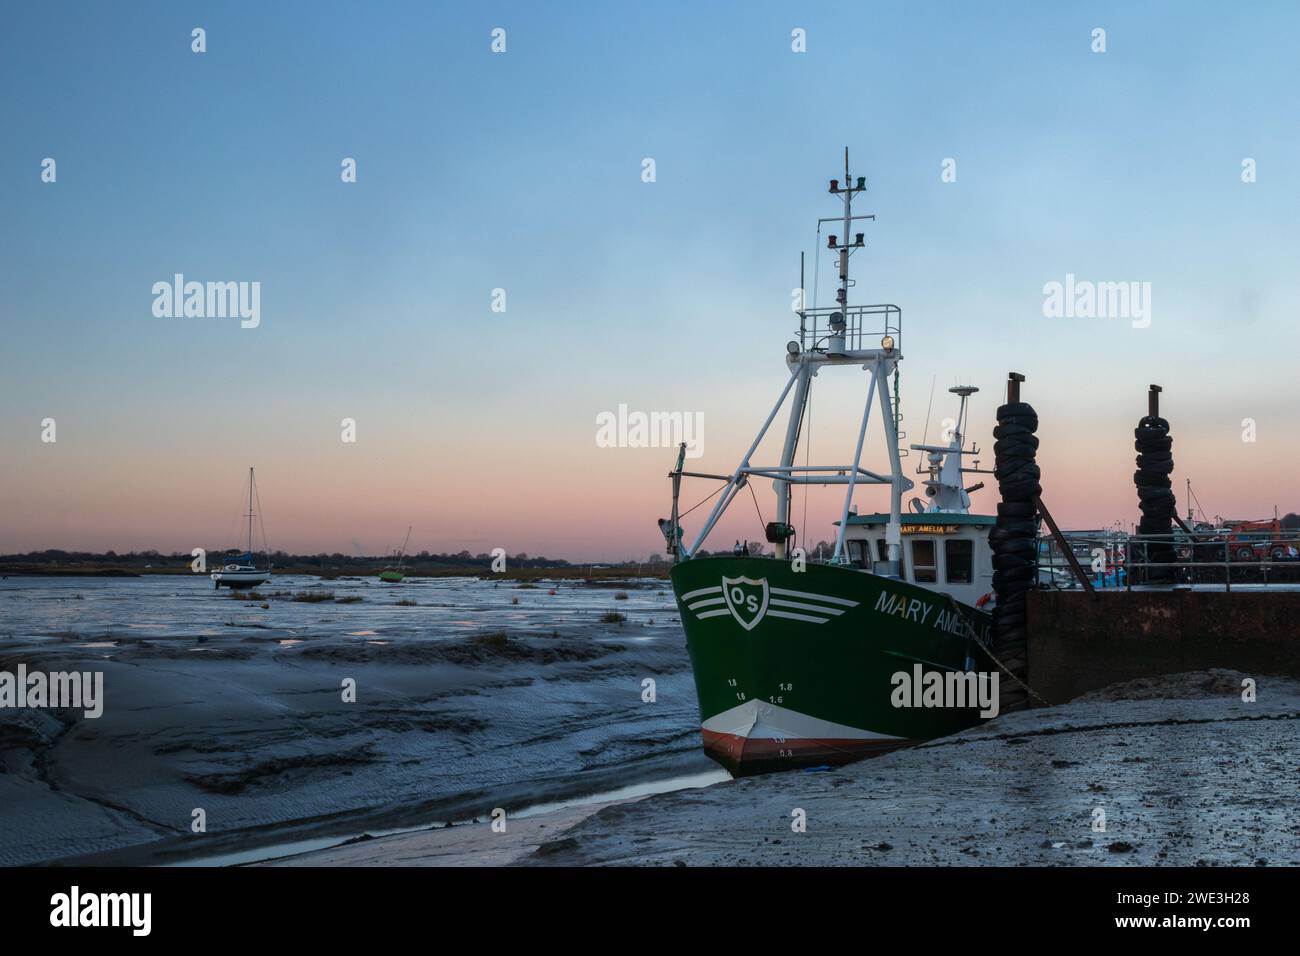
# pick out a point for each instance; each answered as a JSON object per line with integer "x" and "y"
{"x": 959, "y": 560}
{"x": 882, "y": 554}
{"x": 858, "y": 553}
{"x": 924, "y": 570}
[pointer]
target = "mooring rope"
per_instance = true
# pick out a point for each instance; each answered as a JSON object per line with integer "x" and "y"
{"x": 993, "y": 657}
{"x": 1033, "y": 693}
{"x": 761, "y": 522}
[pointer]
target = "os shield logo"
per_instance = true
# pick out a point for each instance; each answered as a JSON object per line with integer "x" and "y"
{"x": 747, "y": 599}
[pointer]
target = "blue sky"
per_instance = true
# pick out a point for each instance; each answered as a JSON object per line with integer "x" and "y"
{"x": 522, "y": 171}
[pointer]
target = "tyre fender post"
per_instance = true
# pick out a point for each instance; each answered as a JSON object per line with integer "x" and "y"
{"x": 1014, "y": 539}
{"x": 1156, "y": 501}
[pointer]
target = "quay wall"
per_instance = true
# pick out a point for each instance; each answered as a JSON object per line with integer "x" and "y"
{"x": 1080, "y": 642}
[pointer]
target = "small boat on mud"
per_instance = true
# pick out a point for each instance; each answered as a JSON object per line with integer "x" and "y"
{"x": 393, "y": 574}
{"x": 242, "y": 570}
{"x": 798, "y": 663}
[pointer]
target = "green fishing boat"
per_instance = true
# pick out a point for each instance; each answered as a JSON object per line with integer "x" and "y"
{"x": 881, "y": 644}
{"x": 393, "y": 574}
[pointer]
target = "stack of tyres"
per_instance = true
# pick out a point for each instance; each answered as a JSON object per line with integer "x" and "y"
{"x": 1014, "y": 541}
{"x": 1155, "y": 462}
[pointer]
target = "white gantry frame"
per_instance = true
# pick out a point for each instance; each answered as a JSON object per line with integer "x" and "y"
{"x": 803, "y": 366}
{"x": 838, "y": 342}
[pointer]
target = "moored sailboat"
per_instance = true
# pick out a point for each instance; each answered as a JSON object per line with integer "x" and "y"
{"x": 393, "y": 574}
{"x": 242, "y": 571}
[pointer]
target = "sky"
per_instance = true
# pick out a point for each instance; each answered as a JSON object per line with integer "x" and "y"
{"x": 523, "y": 171}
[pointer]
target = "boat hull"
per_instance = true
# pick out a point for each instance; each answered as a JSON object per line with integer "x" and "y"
{"x": 798, "y": 668}
{"x": 392, "y": 577}
{"x": 241, "y": 578}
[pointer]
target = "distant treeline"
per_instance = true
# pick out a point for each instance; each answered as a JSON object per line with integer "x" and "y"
{"x": 338, "y": 562}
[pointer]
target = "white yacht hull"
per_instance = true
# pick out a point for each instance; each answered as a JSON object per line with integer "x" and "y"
{"x": 240, "y": 577}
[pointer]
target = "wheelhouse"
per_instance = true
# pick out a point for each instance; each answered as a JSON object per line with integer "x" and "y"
{"x": 943, "y": 551}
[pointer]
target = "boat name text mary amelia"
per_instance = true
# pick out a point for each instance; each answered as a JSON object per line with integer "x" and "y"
{"x": 950, "y": 621}
{"x": 58, "y": 690}
{"x": 212, "y": 300}
{"x": 73, "y": 909}
{"x": 952, "y": 689}
{"x": 626, "y": 429}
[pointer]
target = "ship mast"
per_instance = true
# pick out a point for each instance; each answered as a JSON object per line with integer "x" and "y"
{"x": 946, "y": 463}
{"x": 805, "y": 371}
{"x": 828, "y": 337}
{"x": 842, "y": 295}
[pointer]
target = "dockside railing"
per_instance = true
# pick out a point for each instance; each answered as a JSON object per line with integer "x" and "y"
{"x": 1114, "y": 560}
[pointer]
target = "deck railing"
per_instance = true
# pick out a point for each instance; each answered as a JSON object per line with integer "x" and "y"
{"x": 1114, "y": 560}
{"x": 864, "y": 327}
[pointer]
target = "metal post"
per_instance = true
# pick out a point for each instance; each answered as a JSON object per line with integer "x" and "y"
{"x": 1064, "y": 546}
{"x": 1013, "y": 387}
{"x": 853, "y": 474}
{"x": 780, "y": 486}
{"x": 893, "y": 531}
{"x": 803, "y": 305}
{"x": 675, "y": 534}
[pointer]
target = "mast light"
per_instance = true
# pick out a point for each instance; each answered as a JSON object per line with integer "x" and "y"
{"x": 830, "y": 242}
{"x": 887, "y": 343}
{"x": 835, "y": 185}
{"x": 862, "y": 182}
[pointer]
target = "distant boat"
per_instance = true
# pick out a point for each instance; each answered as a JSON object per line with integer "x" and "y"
{"x": 243, "y": 571}
{"x": 394, "y": 575}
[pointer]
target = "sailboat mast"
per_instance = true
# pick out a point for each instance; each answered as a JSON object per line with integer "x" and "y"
{"x": 401, "y": 557}
{"x": 250, "y": 511}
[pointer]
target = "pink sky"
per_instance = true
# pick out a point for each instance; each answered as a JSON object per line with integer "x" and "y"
{"x": 540, "y": 485}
